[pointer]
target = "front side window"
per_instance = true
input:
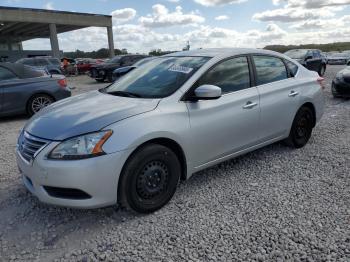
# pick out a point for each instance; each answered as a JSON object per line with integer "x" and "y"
{"x": 158, "y": 78}
{"x": 231, "y": 75}
{"x": 269, "y": 69}
{"x": 6, "y": 74}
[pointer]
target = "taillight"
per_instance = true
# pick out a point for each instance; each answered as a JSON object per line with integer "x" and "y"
{"x": 62, "y": 82}
{"x": 320, "y": 81}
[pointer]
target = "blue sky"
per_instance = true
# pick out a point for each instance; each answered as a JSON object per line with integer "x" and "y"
{"x": 142, "y": 25}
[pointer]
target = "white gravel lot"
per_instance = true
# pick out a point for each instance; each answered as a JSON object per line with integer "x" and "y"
{"x": 275, "y": 204}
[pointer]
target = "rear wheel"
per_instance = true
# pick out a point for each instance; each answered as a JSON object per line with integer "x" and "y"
{"x": 322, "y": 70}
{"x": 38, "y": 102}
{"x": 149, "y": 179}
{"x": 301, "y": 130}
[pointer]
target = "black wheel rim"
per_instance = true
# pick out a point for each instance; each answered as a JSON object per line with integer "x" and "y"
{"x": 152, "y": 180}
{"x": 303, "y": 126}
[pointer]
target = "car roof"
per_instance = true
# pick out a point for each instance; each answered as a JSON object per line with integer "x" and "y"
{"x": 22, "y": 71}
{"x": 219, "y": 52}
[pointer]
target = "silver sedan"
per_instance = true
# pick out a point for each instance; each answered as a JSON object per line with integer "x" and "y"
{"x": 132, "y": 142}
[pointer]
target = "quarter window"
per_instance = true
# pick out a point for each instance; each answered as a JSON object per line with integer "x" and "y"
{"x": 6, "y": 74}
{"x": 269, "y": 69}
{"x": 231, "y": 75}
{"x": 293, "y": 68}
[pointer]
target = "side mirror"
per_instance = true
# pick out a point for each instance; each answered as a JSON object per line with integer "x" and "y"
{"x": 207, "y": 92}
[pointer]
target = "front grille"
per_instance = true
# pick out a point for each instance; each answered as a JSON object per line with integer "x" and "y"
{"x": 29, "y": 146}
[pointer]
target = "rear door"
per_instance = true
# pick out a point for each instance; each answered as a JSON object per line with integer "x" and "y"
{"x": 279, "y": 95}
{"x": 229, "y": 124}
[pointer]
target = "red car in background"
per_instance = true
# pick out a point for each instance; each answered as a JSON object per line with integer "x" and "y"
{"x": 85, "y": 64}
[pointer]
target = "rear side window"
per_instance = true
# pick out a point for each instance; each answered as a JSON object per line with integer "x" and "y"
{"x": 269, "y": 69}
{"x": 41, "y": 62}
{"x": 6, "y": 74}
{"x": 28, "y": 62}
{"x": 231, "y": 75}
{"x": 293, "y": 68}
{"x": 54, "y": 61}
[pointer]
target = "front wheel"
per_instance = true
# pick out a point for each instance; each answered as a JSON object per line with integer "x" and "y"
{"x": 149, "y": 179}
{"x": 38, "y": 102}
{"x": 301, "y": 130}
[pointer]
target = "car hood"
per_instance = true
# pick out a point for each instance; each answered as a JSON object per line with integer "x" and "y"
{"x": 85, "y": 113}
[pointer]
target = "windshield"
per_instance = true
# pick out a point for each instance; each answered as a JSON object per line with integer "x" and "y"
{"x": 296, "y": 54}
{"x": 158, "y": 78}
{"x": 114, "y": 60}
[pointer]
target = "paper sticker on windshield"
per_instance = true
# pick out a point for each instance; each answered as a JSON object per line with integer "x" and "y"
{"x": 180, "y": 69}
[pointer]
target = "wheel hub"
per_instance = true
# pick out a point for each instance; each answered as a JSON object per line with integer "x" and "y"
{"x": 39, "y": 103}
{"x": 152, "y": 180}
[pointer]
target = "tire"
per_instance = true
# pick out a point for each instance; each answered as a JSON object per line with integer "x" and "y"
{"x": 301, "y": 130}
{"x": 334, "y": 91}
{"x": 149, "y": 179}
{"x": 38, "y": 102}
{"x": 322, "y": 70}
{"x": 110, "y": 78}
{"x": 100, "y": 80}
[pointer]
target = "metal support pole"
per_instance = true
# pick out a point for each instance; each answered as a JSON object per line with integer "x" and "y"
{"x": 54, "y": 41}
{"x": 110, "y": 41}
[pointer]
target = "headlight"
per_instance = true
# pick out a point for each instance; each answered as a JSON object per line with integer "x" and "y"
{"x": 81, "y": 147}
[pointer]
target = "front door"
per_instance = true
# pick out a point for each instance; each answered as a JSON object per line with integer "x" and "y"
{"x": 229, "y": 124}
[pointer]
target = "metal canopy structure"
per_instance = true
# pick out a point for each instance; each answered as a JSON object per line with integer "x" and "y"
{"x": 21, "y": 24}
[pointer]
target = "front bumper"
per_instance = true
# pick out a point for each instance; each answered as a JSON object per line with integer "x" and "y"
{"x": 97, "y": 177}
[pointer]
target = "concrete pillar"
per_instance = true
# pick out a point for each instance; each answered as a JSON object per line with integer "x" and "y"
{"x": 54, "y": 41}
{"x": 110, "y": 41}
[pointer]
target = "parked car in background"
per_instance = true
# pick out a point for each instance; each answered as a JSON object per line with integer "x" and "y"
{"x": 50, "y": 64}
{"x": 341, "y": 83}
{"x": 338, "y": 59}
{"x": 84, "y": 65}
{"x": 71, "y": 67}
{"x": 126, "y": 69}
{"x": 312, "y": 59}
{"x": 132, "y": 141}
{"x": 104, "y": 71}
{"x": 25, "y": 90}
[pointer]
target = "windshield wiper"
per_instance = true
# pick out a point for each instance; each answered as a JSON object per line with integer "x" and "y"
{"x": 123, "y": 93}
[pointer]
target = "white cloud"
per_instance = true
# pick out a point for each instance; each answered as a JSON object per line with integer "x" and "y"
{"x": 123, "y": 15}
{"x": 161, "y": 17}
{"x": 292, "y": 14}
{"x": 222, "y": 17}
{"x": 49, "y": 6}
{"x": 311, "y": 4}
{"x": 218, "y": 2}
{"x": 174, "y": 1}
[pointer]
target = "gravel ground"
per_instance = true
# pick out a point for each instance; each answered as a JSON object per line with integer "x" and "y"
{"x": 275, "y": 204}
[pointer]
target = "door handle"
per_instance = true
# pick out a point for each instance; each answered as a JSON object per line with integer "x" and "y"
{"x": 249, "y": 105}
{"x": 293, "y": 93}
